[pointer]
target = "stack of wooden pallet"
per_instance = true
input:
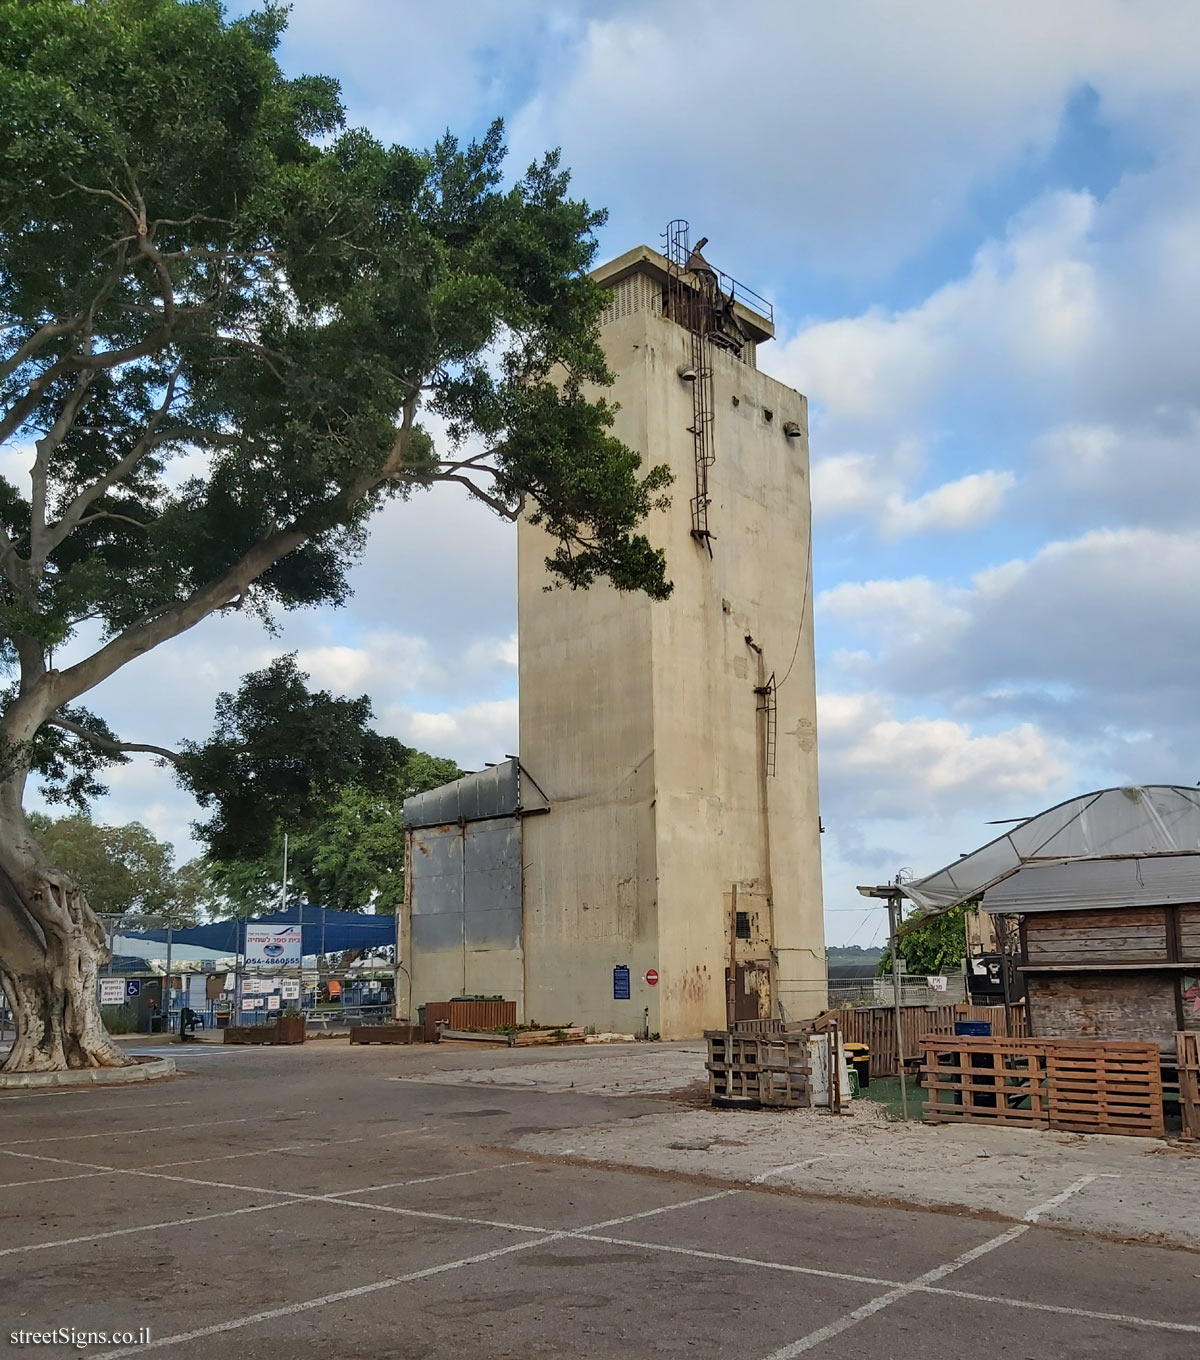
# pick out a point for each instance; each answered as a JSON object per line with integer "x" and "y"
{"x": 767, "y": 1064}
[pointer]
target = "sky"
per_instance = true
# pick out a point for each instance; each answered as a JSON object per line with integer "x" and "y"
{"x": 980, "y": 229}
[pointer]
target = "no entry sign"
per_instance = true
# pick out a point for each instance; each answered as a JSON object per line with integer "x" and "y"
{"x": 651, "y": 977}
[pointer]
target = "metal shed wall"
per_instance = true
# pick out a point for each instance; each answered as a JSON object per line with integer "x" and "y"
{"x": 464, "y": 888}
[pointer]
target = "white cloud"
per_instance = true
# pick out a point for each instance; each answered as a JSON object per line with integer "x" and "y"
{"x": 1029, "y": 306}
{"x": 963, "y": 504}
{"x": 382, "y": 662}
{"x": 917, "y": 611}
{"x": 890, "y": 116}
{"x": 1094, "y": 637}
{"x": 877, "y": 764}
{"x": 472, "y": 734}
{"x": 863, "y": 485}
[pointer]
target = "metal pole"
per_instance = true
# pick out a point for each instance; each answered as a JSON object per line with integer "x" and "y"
{"x": 893, "y": 912}
{"x": 167, "y": 991}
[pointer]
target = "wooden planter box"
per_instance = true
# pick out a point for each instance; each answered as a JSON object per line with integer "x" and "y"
{"x": 386, "y": 1034}
{"x": 248, "y": 1034}
{"x": 289, "y": 1029}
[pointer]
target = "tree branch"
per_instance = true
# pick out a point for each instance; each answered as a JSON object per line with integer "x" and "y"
{"x": 115, "y": 747}
{"x": 112, "y": 514}
{"x": 40, "y": 471}
{"x": 502, "y": 508}
{"x": 51, "y": 330}
{"x": 139, "y": 638}
{"x": 148, "y": 441}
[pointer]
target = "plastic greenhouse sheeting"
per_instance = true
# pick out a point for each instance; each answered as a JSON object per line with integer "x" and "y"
{"x": 1157, "y": 819}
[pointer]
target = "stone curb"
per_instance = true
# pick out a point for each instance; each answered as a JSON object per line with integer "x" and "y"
{"x": 146, "y": 1069}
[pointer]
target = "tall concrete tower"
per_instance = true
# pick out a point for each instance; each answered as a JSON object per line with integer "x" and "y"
{"x": 676, "y": 741}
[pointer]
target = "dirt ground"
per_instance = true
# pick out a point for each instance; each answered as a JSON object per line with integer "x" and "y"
{"x": 1139, "y": 1188}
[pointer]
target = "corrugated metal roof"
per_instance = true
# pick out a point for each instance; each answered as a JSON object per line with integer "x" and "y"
{"x": 1091, "y": 884}
{"x": 494, "y": 792}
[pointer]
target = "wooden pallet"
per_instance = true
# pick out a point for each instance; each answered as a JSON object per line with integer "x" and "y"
{"x": 768, "y": 1068}
{"x": 1079, "y": 1086}
{"x": 984, "y": 1080}
{"x": 784, "y": 1074}
{"x": 1105, "y": 1088}
{"x": 1187, "y": 1046}
{"x": 733, "y": 1066}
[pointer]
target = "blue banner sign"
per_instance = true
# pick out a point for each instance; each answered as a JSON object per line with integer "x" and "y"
{"x": 621, "y": 982}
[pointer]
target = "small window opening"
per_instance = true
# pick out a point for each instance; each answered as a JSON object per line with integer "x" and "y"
{"x": 741, "y": 926}
{"x": 768, "y": 416}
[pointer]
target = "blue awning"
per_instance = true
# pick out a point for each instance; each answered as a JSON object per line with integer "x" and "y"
{"x": 325, "y": 931}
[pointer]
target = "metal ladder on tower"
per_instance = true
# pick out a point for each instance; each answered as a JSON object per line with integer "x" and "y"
{"x": 701, "y": 430}
{"x": 768, "y": 708}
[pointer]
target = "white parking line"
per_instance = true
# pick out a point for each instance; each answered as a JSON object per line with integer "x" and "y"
{"x": 288, "y": 1310}
{"x": 882, "y": 1301}
{"x": 50, "y": 1180}
{"x": 540, "y": 1235}
{"x": 965, "y": 1294}
{"x": 258, "y": 1152}
{"x": 126, "y": 1232}
{"x": 280, "y": 1199}
{"x": 135, "y": 1105}
{"x": 793, "y": 1166}
{"x": 123, "y": 1133}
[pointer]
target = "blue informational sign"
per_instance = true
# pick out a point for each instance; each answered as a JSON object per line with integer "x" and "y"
{"x": 621, "y": 982}
{"x": 133, "y": 987}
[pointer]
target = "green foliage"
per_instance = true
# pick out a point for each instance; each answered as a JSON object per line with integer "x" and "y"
{"x": 122, "y": 869}
{"x": 283, "y": 759}
{"x": 936, "y": 947}
{"x": 222, "y": 314}
{"x": 277, "y": 758}
{"x": 119, "y": 1019}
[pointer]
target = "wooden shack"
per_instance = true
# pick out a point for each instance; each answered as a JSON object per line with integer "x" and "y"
{"x": 1109, "y": 947}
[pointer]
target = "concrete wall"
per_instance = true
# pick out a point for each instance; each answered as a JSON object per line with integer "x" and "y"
{"x": 642, "y": 723}
{"x": 587, "y": 731}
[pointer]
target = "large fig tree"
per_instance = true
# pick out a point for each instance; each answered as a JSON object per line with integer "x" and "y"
{"x": 221, "y": 316}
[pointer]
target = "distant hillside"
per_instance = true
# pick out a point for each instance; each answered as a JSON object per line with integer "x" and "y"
{"x": 852, "y": 953}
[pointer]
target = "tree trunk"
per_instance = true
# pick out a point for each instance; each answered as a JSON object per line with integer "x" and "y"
{"x": 51, "y": 946}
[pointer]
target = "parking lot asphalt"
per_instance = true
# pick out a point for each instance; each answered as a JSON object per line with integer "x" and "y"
{"x": 278, "y": 1202}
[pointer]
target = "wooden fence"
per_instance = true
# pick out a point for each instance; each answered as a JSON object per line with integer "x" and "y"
{"x": 1079, "y": 1085}
{"x": 483, "y": 1015}
{"x": 875, "y": 1026}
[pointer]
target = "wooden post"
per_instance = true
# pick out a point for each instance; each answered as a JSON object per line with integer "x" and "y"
{"x": 835, "y": 1068}
{"x": 893, "y": 911}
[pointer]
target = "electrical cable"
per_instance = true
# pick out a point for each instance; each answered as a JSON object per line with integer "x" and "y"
{"x": 803, "y": 611}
